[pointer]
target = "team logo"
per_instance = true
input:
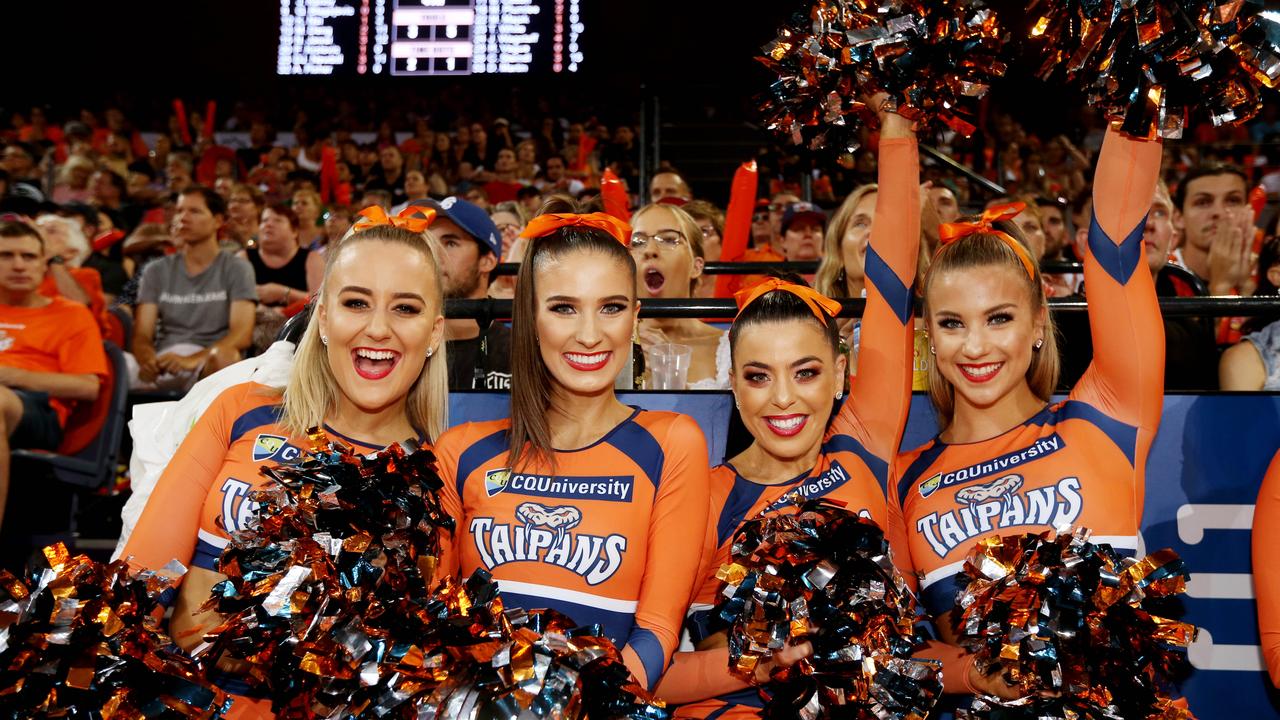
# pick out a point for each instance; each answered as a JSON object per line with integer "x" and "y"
{"x": 560, "y": 487}
{"x": 825, "y": 483}
{"x": 544, "y": 534}
{"x": 274, "y": 447}
{"x": 1038, "y": 449}
{"x": 1000, "y": 505}
{"x": 237, "y": 508}
{"x": 495, "y": 481}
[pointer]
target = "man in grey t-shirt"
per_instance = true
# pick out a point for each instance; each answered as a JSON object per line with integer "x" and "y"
{"x": 195, "y": 307}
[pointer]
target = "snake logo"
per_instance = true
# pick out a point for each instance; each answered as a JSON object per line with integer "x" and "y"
{"x": 558, "y": 519}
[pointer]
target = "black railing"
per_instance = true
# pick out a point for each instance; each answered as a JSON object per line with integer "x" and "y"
{"x": 799, "y": 268}
{"x": 718, "y": 309}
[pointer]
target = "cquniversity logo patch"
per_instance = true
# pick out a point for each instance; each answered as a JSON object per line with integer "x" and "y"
{"x": 1044, "y": 446}
{"x": 274, "y": 447}
{"x": 616, "y": 488}
{"x": 495, "y": 481}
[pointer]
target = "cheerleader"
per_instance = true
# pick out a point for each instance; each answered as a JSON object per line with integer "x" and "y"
{"x": 369, "y": 369}
{"x": 1007, "y": 461}
{"x": 787, "y": 371}
{"x": 579, "y": 503}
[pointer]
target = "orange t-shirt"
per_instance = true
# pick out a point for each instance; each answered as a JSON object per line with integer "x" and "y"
{"x": 60, "y": 337}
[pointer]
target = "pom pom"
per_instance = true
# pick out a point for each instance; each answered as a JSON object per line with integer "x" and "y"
{"x": 1074, "y": 625}
{"x": 327, "y": 590}
{"x": 930, "y": 57}
{"x": 824, "y": 575}
{"x": 1147, "y": 63}
{"x": 82, "y": 640}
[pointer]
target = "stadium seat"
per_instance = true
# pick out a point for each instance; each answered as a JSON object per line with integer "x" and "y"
{"x": 90, "y": 447}
{"x": 122, "y": 316}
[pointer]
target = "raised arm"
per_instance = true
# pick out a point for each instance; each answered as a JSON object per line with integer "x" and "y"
{"x": 1126, "y": 378}
{"x": 876, "y": 412}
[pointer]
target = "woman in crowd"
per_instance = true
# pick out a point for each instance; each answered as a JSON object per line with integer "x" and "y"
{"x": 711, "y": 219}
{"x": 1006, "y": 461}
{"x": 787, "y": 370}
{"x": 510, "y": 217}
{"x": 369, "y": 369}
{"x": 578, "y": 502}
{"x": 285, "y": 273}
{"x": 309, "y": 207}
{"x": 1254, "y": 362}
{"x": 67, "y": 248}
{"x": 667, "y": 246}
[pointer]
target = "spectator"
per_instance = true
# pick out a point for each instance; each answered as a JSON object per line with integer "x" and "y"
{"x": 73, "y": 180}
{"x": 1053, "y": 217}
{"x": 527, "y": 168}
{"x": 337, "y": 221}
{"x": 510, "y": 219}
{"x": 107, "y": 261}
{"x": 391, "y": 177}
{"x": 195, "y": 307}
{"x": 666, "y": 244}
{"x": 503, "y": 186}
{"x": 841, "y": 274}
{"x": 470, "y": 245}
{"x": 777, "y": 206}
{"x": 530, "y": 198}
{"x": 669, "y": 184}
{"x": 379, "y": 198}
{"x": 1216, "y": 223}
{"x": 308, "y": 206}
{"x": 1254, "y": 362}
{"x": 285, "y": 273}
{"x": 711, "y": 220}
{"x": 51, "y": 353}
{"x": 761, "y": 225}
{"x": 65, "y": 249}
{"x": 802, "y": 227}
{"x": 20, "y": 161}
{"x": 554, "y": 180}
{"x": 945, "y": 203}
{"x": 177, "y": 171}
{"x": 415, "y": 189}
{"x": 479, "y": 152}
{"x": 244, "y": 208}
{"x": 478, "y": 197}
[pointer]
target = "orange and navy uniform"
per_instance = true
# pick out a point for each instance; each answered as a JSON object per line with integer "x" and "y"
{"x": 203, "y": 494}
{"x": 863, "y": 437}
{"x": 607, "y": 534}
{"x": 1266, "y": 572}
{"x": 1079, "y": 462}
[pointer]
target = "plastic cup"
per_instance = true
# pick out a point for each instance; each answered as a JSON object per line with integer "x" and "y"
{"x": 668, "y": 365}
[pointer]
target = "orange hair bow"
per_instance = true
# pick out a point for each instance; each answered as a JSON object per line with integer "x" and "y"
{"x": 816, "y": 301}
{"x": 951, "y": 232}
{"x": 546, "y": 224}
{"x": 415, "y": 218}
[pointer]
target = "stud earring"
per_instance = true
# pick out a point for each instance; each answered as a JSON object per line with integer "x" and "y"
{"x": 932, "y": 350}
{"x": 430, "y": 351}
{"x": 324, "y": 340}
{"x": 1039, "y": 343}
{"x": 839, "y": 394}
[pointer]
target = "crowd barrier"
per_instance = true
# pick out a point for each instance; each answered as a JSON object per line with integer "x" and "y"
{"x": 1202, "y": 480}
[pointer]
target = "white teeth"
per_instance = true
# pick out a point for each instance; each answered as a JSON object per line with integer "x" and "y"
{"x": 375, "y": 354}
{"x": 586, "y": 359}
{"x": 982, "y": 370}
{"x": 787, "y": 424}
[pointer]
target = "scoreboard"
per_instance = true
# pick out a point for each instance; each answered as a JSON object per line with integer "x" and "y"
{"x": 429, "y": 37}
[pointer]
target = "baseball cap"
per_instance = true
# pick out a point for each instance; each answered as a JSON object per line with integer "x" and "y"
{"x": 471, "y": 218}
{"x": 798, "y": 210}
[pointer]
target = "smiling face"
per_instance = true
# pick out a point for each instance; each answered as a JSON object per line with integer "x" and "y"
{"x": 586, "y": 312}
{"x": 663, "y": 269}
{"x": 785, "y": 376}
{"x": 983, "y": 328}
{"x": 380, "y": 316}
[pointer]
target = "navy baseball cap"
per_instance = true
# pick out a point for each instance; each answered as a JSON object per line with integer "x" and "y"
{"x": 798, "y": 210}
{"x": 471, "y": 218}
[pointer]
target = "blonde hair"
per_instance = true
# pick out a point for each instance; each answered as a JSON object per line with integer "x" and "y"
{"x": 312, "y": 391}
{"x": 687, "y": 226}
{"x": 987, "y": 250}
{"x": 830, "y": 279}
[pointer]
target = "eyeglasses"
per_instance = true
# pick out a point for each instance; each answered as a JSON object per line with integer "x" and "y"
{"x": 505, "y": 227}
{"x": 666, "y": 239}
{"x": 760, "y": 217}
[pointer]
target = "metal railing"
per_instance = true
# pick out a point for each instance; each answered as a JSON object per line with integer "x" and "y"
{"x": 799, "y": 268}
{"x": 721, "y": 309}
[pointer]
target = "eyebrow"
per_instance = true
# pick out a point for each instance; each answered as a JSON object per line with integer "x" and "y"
{"x": 572, "y": 299}
{"x": 988, "y": 311}
{"x": 394, "y": 296}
